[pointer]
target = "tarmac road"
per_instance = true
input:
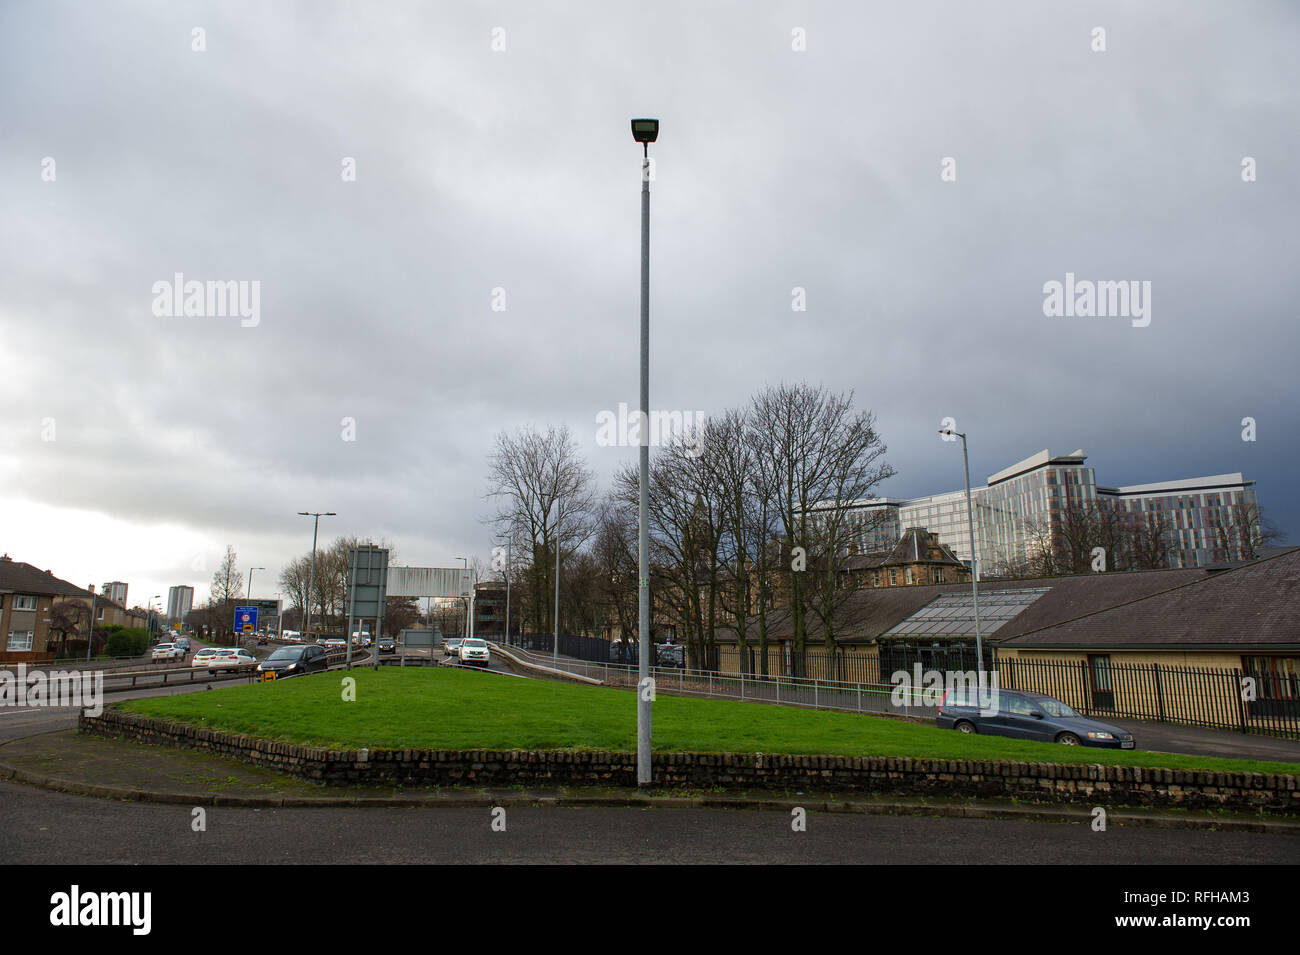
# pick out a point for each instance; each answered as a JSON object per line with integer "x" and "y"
{"x": 39, "y": 826}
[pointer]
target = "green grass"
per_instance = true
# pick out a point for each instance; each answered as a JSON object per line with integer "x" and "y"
{"x": 460, "y": 709}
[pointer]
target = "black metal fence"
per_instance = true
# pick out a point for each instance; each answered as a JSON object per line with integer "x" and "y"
{"x": 1241, "y": 700}
{"x": 1194, "y": 696}
{"x": 846, "y": 665}
{"x": 580, "y": 648}
{"x": 850, "y": 664}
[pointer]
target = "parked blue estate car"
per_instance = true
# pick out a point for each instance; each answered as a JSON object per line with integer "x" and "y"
{"x": 1023, "y": 715}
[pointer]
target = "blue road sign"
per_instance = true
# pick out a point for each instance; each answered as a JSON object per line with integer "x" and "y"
{"x": 245, "y": 620}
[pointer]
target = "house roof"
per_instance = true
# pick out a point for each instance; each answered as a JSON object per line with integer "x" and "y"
{"x": 913, "y": 547}
{"x": 1257, "y": 604}
{"x": 868, "y": 612}
{"x": 19, "y": 578}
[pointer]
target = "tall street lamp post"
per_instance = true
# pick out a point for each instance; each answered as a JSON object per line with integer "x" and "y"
{"x": 645, "y": 132}
{"x": 509, "y": 541}
{"x": 311, "y": 579}
{"x": 465, "y": 629}
{"x": 974, "y": 559}
{"x": 555, "y": 645}
{"x": 90, "y": 636}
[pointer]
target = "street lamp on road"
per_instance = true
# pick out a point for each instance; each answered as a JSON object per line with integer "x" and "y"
{"x": 311, "y": 580}
{"x": 555, "y": 641}
{"x": 645, "y": 132}
{"x": 250, "y": 581}
{"x": 465, "y": 629}
{"x": 974, "y": 560}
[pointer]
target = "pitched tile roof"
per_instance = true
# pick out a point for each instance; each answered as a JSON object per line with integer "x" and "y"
{"x": 1254, "y": 605}
{"x": 868, "y": 612}
{"x": 912, "y": 547}
{"x": 17, "y": 577}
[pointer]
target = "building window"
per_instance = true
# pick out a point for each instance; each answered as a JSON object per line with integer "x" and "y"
{"x": 99, "y": 615}
{"x": 21, "y": 639}
{"x": 893, "y": 579}
{"x": 24, "y": 602}
{"x": 909, "y": 575}
{"x": 1278, "y": 678}
{"x": 875, "y": 578}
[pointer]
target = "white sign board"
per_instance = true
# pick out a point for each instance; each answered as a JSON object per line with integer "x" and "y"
{"x": 430, "y": 582}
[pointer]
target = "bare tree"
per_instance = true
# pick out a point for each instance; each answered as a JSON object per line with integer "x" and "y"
{"x": 228, "y": 581}
{"x": 1149, "y": 540}
{"x": 1246, "y": 532}
{"x": 69, "y": 618}
{"x": 547, "y": 500}
{"x": 816, "y": 451}
{"x": 399, "y": 613}
{"x": 227, "y": 588}
{"x": 294, "y": 577}
{"x": 856, "y": 467}
{"x": 729, "y": 456}
{"x": 1041, "y": 556}
{"x": 614, "y": 550}
{"x": 1082, "y": 526}
{"x": 683, "y": 531}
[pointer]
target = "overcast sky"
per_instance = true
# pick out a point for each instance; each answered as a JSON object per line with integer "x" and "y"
{"x": 135, "y": 446}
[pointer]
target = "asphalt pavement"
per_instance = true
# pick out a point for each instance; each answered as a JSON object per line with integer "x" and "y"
{"x": 42, "y": 827}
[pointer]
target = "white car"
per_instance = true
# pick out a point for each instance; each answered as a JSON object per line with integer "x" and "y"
{"x": 204, "y": 657}
{"x": 474, "y": 651}
{"x": 167, "y": 651}
{"x": 223, "y": 658}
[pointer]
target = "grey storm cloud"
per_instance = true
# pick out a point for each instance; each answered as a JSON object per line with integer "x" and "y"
{"x": 481, "y": 169}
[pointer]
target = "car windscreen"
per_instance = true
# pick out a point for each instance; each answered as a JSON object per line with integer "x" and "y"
{"x": 476, "y": 644}
{"x": 286, "y": 653}
{"x": 1053, "y": 707}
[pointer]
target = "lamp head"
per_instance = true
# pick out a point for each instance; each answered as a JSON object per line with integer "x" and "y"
{"x": 645, "y": 130}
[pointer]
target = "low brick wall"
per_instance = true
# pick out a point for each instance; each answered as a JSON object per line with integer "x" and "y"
{"x": 15, "y": 657}
{"x": 1034, "y": 782}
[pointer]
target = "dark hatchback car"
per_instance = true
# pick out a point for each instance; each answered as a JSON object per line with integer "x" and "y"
{"x": 1022, "y": 715}
{"x": 294, "y": 661}
{"x": 387, "y": 645}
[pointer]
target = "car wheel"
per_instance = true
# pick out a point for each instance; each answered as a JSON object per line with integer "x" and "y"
{"x": 965, "y": 726}
{"x": 1068, "y": 739}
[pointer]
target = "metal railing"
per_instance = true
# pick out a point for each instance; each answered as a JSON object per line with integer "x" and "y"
{"x": 1230, "y": 699}
{"x": 783, "y": 690}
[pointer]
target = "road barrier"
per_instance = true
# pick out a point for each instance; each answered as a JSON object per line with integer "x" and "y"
{"x": 876, "y": 698}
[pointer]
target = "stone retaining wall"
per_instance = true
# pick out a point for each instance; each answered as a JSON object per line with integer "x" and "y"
{"x": 1034, "y": 782}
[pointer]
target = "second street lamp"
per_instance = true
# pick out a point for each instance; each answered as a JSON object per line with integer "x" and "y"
{"x": 311, "y": 580}
{"x": 974, "y": 561}
{"x": 250, "y": 581}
